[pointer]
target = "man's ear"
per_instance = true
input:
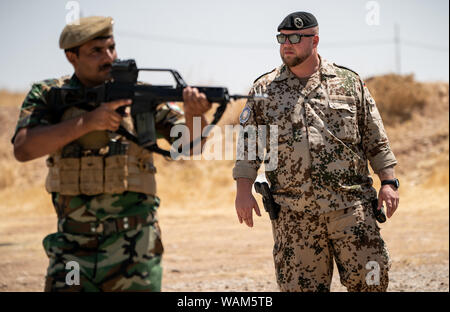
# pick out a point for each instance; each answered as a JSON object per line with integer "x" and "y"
{"x": 315, "y": 41}
{"x": 71, "y": 57}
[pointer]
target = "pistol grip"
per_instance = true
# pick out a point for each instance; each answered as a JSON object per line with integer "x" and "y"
{"x": 121, "y": 111}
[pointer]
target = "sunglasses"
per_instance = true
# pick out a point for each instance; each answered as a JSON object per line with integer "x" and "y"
{"x": 293, "y": 38}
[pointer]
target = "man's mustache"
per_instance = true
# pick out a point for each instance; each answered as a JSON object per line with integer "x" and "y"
{"x": 105, "y": 67}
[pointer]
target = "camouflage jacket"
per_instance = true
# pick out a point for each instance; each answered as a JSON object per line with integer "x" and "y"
{"x": 327, "y": 133}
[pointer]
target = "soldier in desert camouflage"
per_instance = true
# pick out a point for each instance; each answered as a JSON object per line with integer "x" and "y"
{"x": 103, "y": 185}
{"x": 328, "y": 129}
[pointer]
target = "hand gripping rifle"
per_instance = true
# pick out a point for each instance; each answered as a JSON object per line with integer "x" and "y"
{"x": 145, "y": 99}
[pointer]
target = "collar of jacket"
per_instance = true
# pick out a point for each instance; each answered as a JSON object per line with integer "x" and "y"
{"x": 75, "y": 82}
{"x": 326, "y": 69}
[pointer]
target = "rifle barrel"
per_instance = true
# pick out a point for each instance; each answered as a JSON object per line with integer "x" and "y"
{"x": 255, "y": 97}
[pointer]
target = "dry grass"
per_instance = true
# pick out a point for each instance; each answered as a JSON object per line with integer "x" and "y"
{"x": 398, "y": 96}
{"x": 11, "y": 98}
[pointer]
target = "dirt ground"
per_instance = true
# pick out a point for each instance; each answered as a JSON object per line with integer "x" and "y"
{"x": 206, "y": 249}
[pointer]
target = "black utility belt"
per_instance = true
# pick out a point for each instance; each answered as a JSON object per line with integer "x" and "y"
{"x": 106, "y": 227}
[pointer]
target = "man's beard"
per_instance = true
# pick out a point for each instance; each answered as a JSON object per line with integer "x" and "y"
{"x": 297, "y": 60}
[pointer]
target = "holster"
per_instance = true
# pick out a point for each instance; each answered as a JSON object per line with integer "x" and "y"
{"x": 380, "y": 215}
{"x": 272, "y": 208}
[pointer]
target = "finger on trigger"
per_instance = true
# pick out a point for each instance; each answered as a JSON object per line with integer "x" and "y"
{"x": 115, "y": 117}
{"x": 113, "y": 126}
{"x": 114, "y": 121}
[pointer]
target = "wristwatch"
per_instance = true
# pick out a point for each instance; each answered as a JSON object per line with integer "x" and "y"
{"x": 394, "y": 182}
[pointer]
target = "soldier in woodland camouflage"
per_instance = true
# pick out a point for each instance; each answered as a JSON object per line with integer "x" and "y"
{"x": 102, "y": 185}
{"x": 328, "y": 129}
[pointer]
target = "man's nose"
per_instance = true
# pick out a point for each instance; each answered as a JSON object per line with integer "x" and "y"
{"x": 109, "y": 55}
{"x": 287, "y": 42}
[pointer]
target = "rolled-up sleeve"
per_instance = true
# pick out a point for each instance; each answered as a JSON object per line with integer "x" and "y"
{"x": 247, "y": 160}
{"x": 35, "y": 110}
{"x": 374, "y": 138}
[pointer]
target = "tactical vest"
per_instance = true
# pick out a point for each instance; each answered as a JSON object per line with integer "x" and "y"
{"x": 100, "y": 162}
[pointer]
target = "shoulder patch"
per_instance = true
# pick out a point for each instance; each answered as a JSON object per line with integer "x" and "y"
{"x": 343, "y": 67}
{"x": 245, "y": 115}
{"x": 264, "y": 75}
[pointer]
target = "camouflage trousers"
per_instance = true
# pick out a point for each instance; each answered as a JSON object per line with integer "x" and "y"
{"x": 306, "y": 244}
{"x": 127, "y": 260}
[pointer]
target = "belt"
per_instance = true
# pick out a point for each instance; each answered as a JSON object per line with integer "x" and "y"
{"x": 106, "y": 227}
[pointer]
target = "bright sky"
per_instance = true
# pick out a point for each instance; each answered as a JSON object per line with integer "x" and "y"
{"x": 229, "y": 43}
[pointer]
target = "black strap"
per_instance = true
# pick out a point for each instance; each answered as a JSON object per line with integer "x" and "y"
{"x": 152, "y": 148}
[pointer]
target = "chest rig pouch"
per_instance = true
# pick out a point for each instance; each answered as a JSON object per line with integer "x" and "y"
{"x": 120, "y": 166}
{"x": 100, "y": 162}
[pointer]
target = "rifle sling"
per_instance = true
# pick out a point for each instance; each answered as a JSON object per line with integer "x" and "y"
{"x": 152, "y": 148}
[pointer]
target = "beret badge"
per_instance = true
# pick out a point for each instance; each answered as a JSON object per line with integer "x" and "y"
{"x": 298, "y": 22}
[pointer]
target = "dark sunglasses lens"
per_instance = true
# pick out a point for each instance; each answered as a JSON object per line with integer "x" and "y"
{"x": 294, "y": 38}
{"x": 281, "y": 38}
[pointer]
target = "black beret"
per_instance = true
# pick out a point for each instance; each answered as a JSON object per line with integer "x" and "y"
{"x": 298, "y": 20}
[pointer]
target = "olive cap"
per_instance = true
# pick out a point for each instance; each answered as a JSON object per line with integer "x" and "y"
{"x": 85, "y": 29}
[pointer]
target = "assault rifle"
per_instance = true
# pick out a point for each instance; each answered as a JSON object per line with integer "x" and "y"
{"x": 145, "y": 99}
